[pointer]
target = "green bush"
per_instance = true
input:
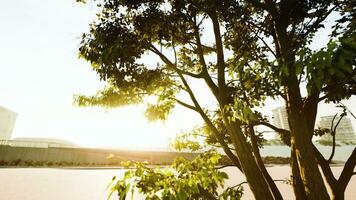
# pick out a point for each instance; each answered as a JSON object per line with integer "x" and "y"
{"x": 183, "y": 180}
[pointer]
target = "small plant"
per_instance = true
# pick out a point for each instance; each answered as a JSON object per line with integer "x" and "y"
{"x": 184, "y": 179}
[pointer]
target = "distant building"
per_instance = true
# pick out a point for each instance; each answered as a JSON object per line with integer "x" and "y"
{"x": 40, "y": 143}
{"x": 344, "y": 131}
{"x": 7, "y": 123}
{"x": 280, "y": 119}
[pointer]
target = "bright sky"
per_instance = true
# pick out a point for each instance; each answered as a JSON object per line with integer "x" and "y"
{"x": 40, "y": 72}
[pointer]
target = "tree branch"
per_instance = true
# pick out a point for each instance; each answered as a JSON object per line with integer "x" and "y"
{"x": 347, "y": 172}
{"x": 200, "y": 52}
{"x": 190, "y": 74}
{"x": 226, "y": 149}
{"x": 266, "y": 45}
{"x": 276, "y": 193}
{"x": 333, "y": 133}
{"x": 185, "y": 105}
{"x": 323, "y": 98}
{"x": 224, "y": 166}
{"x": 171, "y": 64}
{"x": 245, "y": 182}
{"x": 348, "y": 110}
{"x": 286, "y": 136}
{"x": 220, "y": 57}
{"x": 324, "y": 165}
{"x": 317, "y": 22}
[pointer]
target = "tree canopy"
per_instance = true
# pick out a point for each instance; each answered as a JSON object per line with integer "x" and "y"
{"x": 244, "y": 51}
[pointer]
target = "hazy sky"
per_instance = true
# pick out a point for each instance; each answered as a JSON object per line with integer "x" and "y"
{"x": 40, "y": 72}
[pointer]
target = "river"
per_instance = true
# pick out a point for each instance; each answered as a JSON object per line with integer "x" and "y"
{"x": 342, "y": 153}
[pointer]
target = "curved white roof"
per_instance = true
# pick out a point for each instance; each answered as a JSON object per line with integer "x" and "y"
{"x": 45, "y": 140}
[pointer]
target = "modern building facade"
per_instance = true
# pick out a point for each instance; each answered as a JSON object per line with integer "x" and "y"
{"x": 40, "y": 143}
{"x": 344, "y": 131}
{"x": 7, "y": 123}
{"x": 280, "y": 117}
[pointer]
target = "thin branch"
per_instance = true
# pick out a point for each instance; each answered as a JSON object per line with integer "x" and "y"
{"x": 238, "y": 185}
{"x": 249, "y": 23}
{"x": 279, "y": 130}
{"x": 333, "y": 131}
{"x": 285, "y": 134}
{"x": 323, "y": 98}
{"x": 337, "y": 124}
{"x": 180, "y": 87}
{"x": 171, "y": 64}
{"x": 190, "y": 74}
{"x": 219, "y": 146}
{"x": 318, "y": 21}
{"x": 186, "y": 105}
{"x": 202, "y": 19}
{"x": 259, "y": 28}
{"x": 224, "y": 166}
{"x": 262, "y": 132}
{"x": 245, "y": 182}
{"x": 348, "y": 110}
{"x": 268, "y": 47}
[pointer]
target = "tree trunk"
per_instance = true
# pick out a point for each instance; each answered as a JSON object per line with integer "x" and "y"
{"x": 338, "y": 194}
{"x": 301, "y": 142}
{"x": 297, "y": 182}
{"x": 272, "y": 185}
{"x": 253, "y": 174}
{"x": 310, "y": 175}
{"x": 339, "y": 188}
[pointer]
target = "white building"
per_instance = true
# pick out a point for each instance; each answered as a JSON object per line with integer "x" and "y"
{"x": 280, "y": 117}
{"x": 38, "y": 143}
{"x": 7, "y": 123}
{"x": 344, "y": 131}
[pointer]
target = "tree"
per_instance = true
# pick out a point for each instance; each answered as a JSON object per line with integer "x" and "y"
{"x": 259, "y": 49}
{"x": 338, "y": 186}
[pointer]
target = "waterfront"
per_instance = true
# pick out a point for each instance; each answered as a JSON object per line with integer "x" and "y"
{"x": 342, "y": 153}
{"x": 91, "y": 184}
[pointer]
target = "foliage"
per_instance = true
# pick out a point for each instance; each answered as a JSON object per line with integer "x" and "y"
{"x": 197, "y": 179}
{"x": 189, "y": 141}
{"x": 259, "y": 50}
